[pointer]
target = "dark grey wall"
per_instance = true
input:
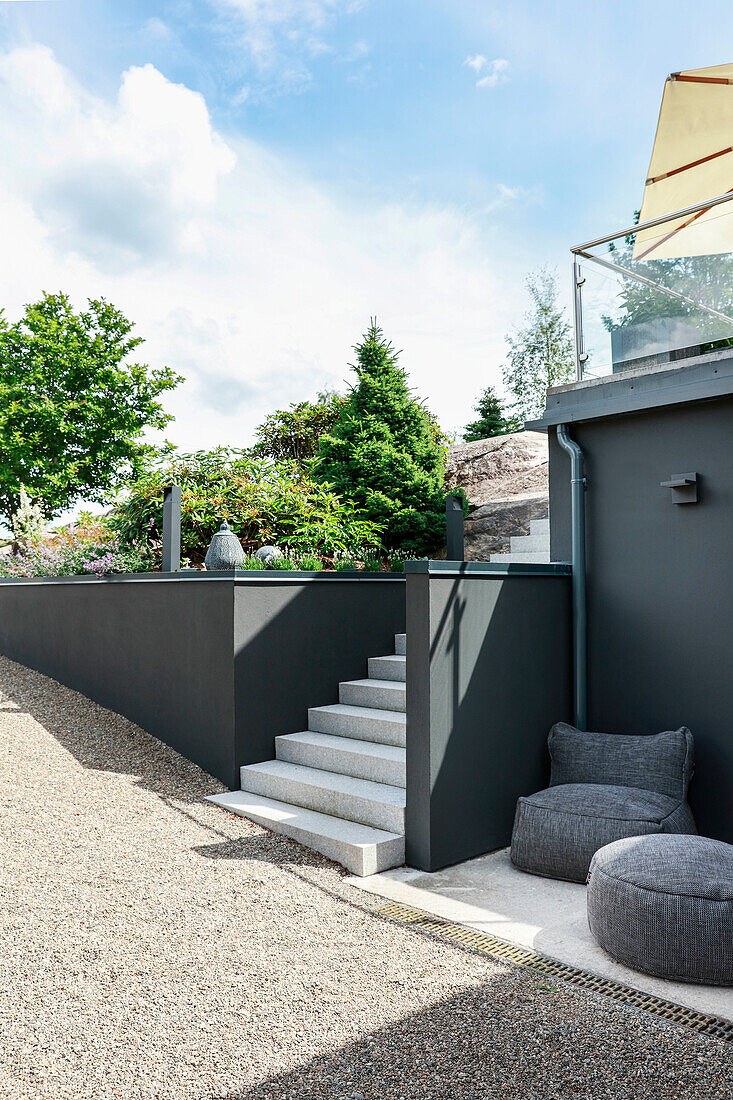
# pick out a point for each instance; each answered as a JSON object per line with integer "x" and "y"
{"x": 488, "y": 672}
{"x": 294, "y": 642}
{"x": 157, "y": 651}
{"x": 660, "y": 582}
{"x": 216, "y": 667}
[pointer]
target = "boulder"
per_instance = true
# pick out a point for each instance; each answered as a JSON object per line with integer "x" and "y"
{"x": 506, "y": 481}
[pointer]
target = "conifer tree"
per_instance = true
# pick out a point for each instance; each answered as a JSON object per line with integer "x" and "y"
{"x": 386, "y": 453}
{"x": 490, "y": 419}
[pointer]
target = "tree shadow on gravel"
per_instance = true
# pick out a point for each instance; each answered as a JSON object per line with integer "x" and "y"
{"x": 526, "y": 1039}
{"x": 101, "y": 739}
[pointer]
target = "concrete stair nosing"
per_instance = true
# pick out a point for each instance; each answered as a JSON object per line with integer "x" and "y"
{"x": 539, "y": 556}
{"x": 377, "y": 694}
{"x": 342, "y": 796}
{"x": 361, "y": 849}
{"x": 526, "y": 543}
{"x": 344, "y": 755}
{"x": 392, "y": 667}
{"x": 386, "y": 727}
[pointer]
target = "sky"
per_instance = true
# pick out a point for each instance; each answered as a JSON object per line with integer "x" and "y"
{"x": 251, "y": 181}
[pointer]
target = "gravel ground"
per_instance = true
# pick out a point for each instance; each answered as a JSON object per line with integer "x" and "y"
{"x": 154, "y": 946}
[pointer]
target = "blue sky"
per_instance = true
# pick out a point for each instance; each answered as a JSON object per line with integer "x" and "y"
{"x": 252, "y": 179}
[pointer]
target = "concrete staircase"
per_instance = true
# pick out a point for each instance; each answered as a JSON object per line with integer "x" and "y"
{"x": 527, "y": 548}
{"x": 339, "y": 786}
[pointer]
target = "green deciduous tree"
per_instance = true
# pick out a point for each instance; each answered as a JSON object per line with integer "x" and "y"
{"x": 386, "y": 453}
{"x": 72, "y": 409}
{"x": 541, "y": 352}
{"x": 491, "y": 419}
{"x": 294, "y": 433}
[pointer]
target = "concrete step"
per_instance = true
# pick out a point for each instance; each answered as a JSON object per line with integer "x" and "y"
{"x": 400, "y": 644}
{"x": 361, "y": 849}
{"x": 540, "y": 527}
{"x": 376, "y": 804}
{"x": 523, "y": 544}
{"x": 522, "y": 559}
{"x": 346, "y": 755}
{"x": 387, "y": 727}
{"x": 393, "y": 667}
{"x": 379, "y": 694}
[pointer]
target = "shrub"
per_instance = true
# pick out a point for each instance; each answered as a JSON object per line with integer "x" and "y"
{"x": 86, "y": 547}
{"x": 263, "y": 503}
{"x": 294, "y": 433}
{"x": 386, "y": 453}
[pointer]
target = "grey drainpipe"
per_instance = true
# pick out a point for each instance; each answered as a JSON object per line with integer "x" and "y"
{"x": 580, "y": 615}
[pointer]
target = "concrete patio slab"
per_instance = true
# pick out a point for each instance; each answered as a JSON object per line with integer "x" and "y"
{"x": 490, "y": 895}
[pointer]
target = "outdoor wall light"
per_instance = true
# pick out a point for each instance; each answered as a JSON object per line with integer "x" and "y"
{"x": 684, "y": 488}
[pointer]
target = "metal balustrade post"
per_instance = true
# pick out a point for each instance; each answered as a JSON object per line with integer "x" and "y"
{"x": 454, "y": 540}
{"x": 171, "y": 529}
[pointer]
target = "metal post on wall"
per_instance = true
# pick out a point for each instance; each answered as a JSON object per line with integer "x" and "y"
{"x": 171, "y": 529}
{"x": 580, "y": 355}
{"x": 455, "y": 550}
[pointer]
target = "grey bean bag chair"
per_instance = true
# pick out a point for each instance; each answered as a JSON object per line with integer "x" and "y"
{"x": 664, "y": 905}
{"x": 602, "y": 787}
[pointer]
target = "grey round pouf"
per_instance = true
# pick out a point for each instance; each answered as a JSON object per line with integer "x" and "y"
{"x": 663, "y": 904}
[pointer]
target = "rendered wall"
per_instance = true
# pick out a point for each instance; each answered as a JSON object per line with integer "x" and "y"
{"x": 488, "y": 673}
{"x": 158, "y": 651}
{"x": 294, "y": 642}
{"x": 660, "y": 579}
{"x": 214, "y": 665}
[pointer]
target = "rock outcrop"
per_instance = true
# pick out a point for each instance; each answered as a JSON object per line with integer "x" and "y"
{"x": 505, "y": 480}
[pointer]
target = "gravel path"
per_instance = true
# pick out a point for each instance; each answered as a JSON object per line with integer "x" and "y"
{"x": 153, "y": 946}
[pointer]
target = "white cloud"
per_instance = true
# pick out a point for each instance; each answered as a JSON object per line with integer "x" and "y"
{"x": 119, "y": 181}
{"x": 240, "y": 272}
{"x": 280, "y": 37}
{"x": 495, "y": 72}
{"x": 157, "y": 29}
{"x": 475, "y": 62}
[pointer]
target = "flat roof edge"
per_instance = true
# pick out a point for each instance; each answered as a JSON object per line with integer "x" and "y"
{"x": 619, "y": 395}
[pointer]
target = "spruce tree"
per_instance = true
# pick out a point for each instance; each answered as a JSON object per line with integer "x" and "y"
{"x": 385, "y": 453}
{"x": 491, "y": 420}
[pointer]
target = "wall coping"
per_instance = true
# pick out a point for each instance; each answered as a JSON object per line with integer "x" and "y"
{"x": 489, "y": 569}
{"x": 238, "y": 576}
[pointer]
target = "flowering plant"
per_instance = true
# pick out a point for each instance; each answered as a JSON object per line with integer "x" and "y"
{"x": 86, "y": 547}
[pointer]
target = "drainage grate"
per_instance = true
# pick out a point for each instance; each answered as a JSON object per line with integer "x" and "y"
{"x": 486, "y": 944}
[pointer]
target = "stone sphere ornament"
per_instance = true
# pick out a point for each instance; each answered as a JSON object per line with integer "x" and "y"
{"x": 268, "y": 555}
{"x": 225, "y": 550}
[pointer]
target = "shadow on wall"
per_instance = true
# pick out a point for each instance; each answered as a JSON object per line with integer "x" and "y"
{"x": 294, "y": 644}
{"x": 500, "y": 676}
{"x": 215, "y": 668}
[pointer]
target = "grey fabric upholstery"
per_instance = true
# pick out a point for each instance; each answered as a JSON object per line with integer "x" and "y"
{"x": 660, "y": 762}
{"x": 557, "y": 831}
{"x": 602, "y": 787}
{"x": 664, "y": 905}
